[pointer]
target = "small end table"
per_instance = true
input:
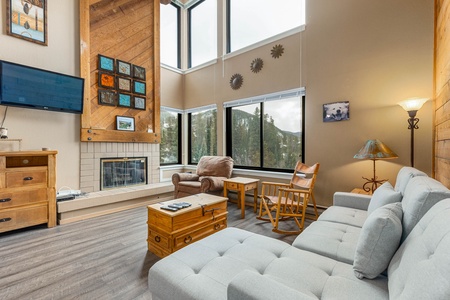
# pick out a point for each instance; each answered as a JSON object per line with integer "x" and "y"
{"x": 241, "y": 185}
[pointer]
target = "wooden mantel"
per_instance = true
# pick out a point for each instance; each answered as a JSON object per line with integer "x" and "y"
{"x": 127, "y": 30}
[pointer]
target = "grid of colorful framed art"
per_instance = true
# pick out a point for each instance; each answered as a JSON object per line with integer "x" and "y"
{"x": 121, "y": 83}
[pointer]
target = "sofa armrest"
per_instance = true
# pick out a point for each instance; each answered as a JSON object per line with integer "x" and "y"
{"x": 211, "y": 183}
{"x": 352, "y": 200}
{"x": 262, "y": 288}
{"x": 177, "y": 177}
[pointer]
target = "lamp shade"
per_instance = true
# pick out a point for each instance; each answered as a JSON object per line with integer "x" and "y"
{"x": 412, "y": 104}
{"x": 375, "y": 149}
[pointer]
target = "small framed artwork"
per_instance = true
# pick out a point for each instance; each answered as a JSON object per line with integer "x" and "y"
{"x": 123, "y": 68}
{"x": 125, "y": 123}
{"x": 107, "y": 97}
{"x": 106, "y": 80}
{"x": 105, "y": 63}
{"x": 139, "y": 87}
{"x": 124, "y": 100}
{"x": 27, "y": 20}
{"x": 124, "y": 84}
{"x": 138, "y": 72}
{"x": 336, "y": 111}
{"x": 139, "y": 102}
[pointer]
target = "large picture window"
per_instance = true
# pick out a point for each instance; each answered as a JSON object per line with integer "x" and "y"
{"x": 266, "y": 132}
{"x": 202, "y": 128}
{"x": 252, "y": 21}
{"x": 170, "y": 147}
{"x": 170, "y": 35}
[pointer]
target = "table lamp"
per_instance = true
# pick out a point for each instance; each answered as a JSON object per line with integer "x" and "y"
{"x": 374, "y": 150}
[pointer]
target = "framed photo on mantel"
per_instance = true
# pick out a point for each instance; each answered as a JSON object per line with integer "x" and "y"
{"x": 27, "y": 20}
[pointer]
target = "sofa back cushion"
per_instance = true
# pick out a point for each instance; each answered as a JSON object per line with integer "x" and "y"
{"x": 420, "y": 269}
{"x": 219, "y": 166}
{"x": 383, "y": 195}
{"x": 403, "y": 177}
{"x": 421, "y": 194}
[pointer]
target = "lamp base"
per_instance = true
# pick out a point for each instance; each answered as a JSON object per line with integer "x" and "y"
{"x": 372, "y": 184}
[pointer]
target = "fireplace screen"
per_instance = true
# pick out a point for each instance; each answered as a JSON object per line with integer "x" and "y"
{"x": 122, "y": 172}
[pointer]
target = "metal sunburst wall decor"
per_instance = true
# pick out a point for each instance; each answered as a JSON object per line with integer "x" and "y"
{"x": 277, "y": 51}
{"x": 256, "y": 65}
{"x": 236, "y": 81}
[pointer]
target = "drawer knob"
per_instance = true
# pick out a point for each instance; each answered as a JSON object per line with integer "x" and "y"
{"x": 5, "y": 200}
{"x": 157, "y": 239}
{"x": 28, "y": 178}
{"x": 216, "y": 226}
{"x": 188, "y": 239}
{"x": 5, "y": 220}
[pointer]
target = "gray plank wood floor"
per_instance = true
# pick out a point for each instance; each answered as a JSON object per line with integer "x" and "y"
{"x": 100, "y": 258}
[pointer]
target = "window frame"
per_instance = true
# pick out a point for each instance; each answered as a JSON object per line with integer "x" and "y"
{"x": 229, "y": 136}
{"x": 179, "y": 139}
{"x": 179, "y": 28}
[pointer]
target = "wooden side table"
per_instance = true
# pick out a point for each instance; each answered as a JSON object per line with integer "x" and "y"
{"x": 241, "y": 185}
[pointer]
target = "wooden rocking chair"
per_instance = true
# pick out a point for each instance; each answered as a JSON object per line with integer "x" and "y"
{"x": 280, "y": 202}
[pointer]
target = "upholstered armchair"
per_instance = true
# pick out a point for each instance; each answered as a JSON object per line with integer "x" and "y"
{"x": 208, "y": 178}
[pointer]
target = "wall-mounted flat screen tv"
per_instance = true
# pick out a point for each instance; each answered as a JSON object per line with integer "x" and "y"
{"x": 29, "y": 87}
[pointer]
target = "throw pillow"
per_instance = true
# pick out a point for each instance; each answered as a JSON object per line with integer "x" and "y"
{"x": 383, "y": 195}
{"x": 378, "y": 241}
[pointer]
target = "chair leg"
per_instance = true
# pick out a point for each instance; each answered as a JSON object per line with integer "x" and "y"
{"x": 316, "y": 213}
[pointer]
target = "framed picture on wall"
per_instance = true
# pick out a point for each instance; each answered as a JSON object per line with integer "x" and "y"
{"x": 27, "y": 20}
{"x": 106, "y": 80}
{"x": 139, "y": 102}
{"x": 124, "y": 84}
{"x": 123, "y": 68}
{"x": 124, "y": 100}
{"x": 139, "y": 87}
{"x": 336, "y": 111}
{"x": 107, "y": 97}
{"x": 105, "y": 63}
{"x": 125, "y": 123}
{"x": 138, "y": 72}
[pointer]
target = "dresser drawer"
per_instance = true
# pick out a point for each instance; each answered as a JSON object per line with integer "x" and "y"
{"x": 202, "y": 231}
{"x": 26, "y": 178}
{"x": 158, "y": 244}
{"x": 23, "y": 217}
{"x": 9, "y": 199}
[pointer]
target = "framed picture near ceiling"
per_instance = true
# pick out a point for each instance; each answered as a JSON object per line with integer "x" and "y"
{"x": 124, "y": 84}
{"x": 336, "y": 111}
{"x": 124, "y": 100}
{"x": 139, "y": 87}
{"x": 139, "y": 102}
{"x": 105, "y": 63}
{"x": 106, "y": 80}
{"x": 107, "y": 97}
{"x": 138, "y": 72}
{"x": 123, "y": 68}
{"x": 27, "y": 20}
{"x": 124, "y": 123}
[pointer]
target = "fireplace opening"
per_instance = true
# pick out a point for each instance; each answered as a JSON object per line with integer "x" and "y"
{"x": 122, "y": 172}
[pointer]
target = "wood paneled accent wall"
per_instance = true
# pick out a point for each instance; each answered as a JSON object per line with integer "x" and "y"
{"x": 442, "y": 91}
{"x": 127, "y": 30}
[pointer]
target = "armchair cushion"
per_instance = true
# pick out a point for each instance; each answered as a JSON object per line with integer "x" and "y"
{"x": 217, "y": 166}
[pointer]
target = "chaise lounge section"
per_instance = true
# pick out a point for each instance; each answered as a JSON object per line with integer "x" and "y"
{"x": 401, "y": 234}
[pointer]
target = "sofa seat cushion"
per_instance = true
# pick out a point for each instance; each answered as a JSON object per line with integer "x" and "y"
{"x": 421, "y": 266}
{"x": 378, "y": 241}
{"x": 420, "y": 195}
{"x": 203, "y": 270}
{"x": 333, "y": 240}
{"x": 344, "y": 215}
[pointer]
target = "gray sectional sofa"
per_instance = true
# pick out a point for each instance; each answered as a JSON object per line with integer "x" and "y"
{"x": 392, "y": 245}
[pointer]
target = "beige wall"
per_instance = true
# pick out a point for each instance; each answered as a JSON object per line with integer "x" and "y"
{"x": 371, "y": 53}
{"x": 59, "y": 131}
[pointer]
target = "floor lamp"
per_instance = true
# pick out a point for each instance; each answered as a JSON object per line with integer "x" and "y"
{"x": 412, "y": 105}
{"x": 374, "y": 150}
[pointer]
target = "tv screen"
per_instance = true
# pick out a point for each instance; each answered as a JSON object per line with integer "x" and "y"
{"x": 30, "y": 87}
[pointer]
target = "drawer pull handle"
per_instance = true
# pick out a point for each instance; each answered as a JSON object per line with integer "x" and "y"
{"x": 157, "y": 239}
{"x": 5, "y": 200}
{"x": 28, "y": 178}
{"x": 188, "y": 239}
{"x": 216, "y": 226}
{"x": 5, "y": 220}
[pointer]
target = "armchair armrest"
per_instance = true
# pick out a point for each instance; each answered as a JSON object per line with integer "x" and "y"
{"x": 351, "y": 200}
{"x": 177, "y": 177}
{"x": 271, "y": 188}
{"x": 263, "y": 288}
{"x": 211, "y": 183}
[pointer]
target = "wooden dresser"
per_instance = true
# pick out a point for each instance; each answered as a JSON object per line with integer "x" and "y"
{"x": 170, "y": 231}
{"x": 27, "y": 189}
